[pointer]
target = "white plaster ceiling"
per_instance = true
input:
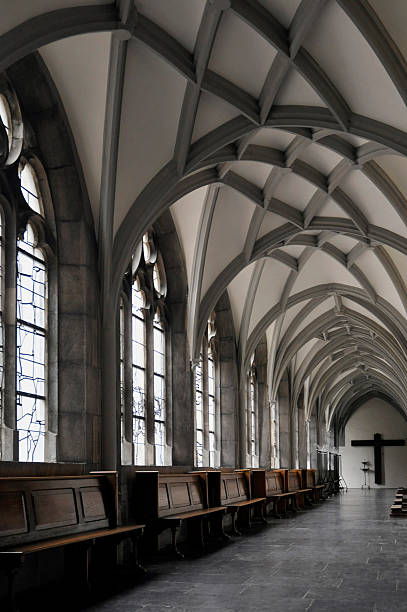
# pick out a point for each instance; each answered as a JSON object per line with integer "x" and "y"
{"x": 275, "y": 104}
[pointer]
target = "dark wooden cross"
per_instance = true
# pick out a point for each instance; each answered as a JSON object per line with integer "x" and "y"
{"x": 378, "y": 443}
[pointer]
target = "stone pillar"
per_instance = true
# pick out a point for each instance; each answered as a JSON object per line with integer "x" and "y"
{"x": 302, "y": 437}
{"x": 285, "y": 422}
{"x": 313, "y": 442}
{"x": 263, "y": 405}
{"x": 78, "y": 359}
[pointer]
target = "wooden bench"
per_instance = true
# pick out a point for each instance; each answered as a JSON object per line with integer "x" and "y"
{"x": 310, "y": 480}
{"x": 295, "y": 485}
{"x": 75, "y": 513}
{"x": 236, "y": 496}
{"x": 169, "y": 500}
{"x": 275, "y": 488}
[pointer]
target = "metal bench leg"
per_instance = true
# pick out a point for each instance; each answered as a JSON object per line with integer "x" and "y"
{"x": 134, "y": 544}
{"x": 11, "y": 575}
{"x": 234, "y": 523}
{"x": 174, "y": 541}
{"x": 216, "y": 527}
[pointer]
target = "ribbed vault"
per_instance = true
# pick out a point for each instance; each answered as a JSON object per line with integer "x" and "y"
{"x": 275, "y": 131}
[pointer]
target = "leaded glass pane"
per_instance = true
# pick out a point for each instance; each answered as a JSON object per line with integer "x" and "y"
{"x": 211, "y": 449}
{"x": 199, "y": 448}
{"x": 139, "y": 375}
{"x": 159, "y": 442}
{"x": 29, "y": 187}
{"x": 31, "y": 289}
{"x": 198, "y": 411}
{"x": 31, "y": 428}
{"x": 159, "y": 388}
{"x": 198, "y": 376}
{"x": 138, "y": 342}
{"x": 30, "y": 360}
{"x": 156, "y": 279}
{"x": 139, "y": 438}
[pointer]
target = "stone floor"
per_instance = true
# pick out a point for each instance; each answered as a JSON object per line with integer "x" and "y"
{"x": 345, "y": 554}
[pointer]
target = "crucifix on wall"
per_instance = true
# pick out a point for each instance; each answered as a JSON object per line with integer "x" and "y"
{"x": 377, "y": 443}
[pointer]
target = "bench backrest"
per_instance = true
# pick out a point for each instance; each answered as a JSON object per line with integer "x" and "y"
{"x": 35, "y": 508}
{"x": 179, "y": 493}
{"x": 274, "y": 483}
{"x": 310, "y": 478}
{"x": 294, "y": 480}
{"x": 233, "y": 488}
{"x": 155, "y": 495}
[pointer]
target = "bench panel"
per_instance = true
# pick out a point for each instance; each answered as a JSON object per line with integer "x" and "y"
{"x": 33, "y": 508}
{"x": 13, "y": 513}
{"x": 54, "y": 508}
{"x": 274, "y": 484}
{"x": 93, "y": 507}
{"x": 234, "y": 488}
{"x": 294, "y": 481}
{"x": 178, "y": 493}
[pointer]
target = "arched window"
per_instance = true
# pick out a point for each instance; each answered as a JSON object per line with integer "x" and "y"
{"x": 252, "y": 435}
{"x": 26, "y": 243}
{"x": 206, "y": 413}
{"x": 147, "y": 356}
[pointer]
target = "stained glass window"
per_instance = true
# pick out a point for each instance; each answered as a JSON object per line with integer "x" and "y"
{"x": 31, "y": 347}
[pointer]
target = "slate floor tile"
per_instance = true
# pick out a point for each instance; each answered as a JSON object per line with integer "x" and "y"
{"x": 343, "y": 555}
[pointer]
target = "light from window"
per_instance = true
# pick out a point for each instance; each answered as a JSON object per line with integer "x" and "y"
{"x": 5, "y": 117}
{"x": 211, "y": 407}
{"x": 31, "y": 347}
{"x": 29, "y": 187}
{"x": 252, "y": 411}
{"x": 199, "y": 422}
{"x": 159, "y": 389}
{"x": 1, "y": 326}
{"x": 139, "y": 373}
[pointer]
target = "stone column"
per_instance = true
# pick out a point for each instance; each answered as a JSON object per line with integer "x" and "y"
{"x": 302, "y": 437}
{"x": 227, "y": 392}
{"x": 285, "y": 422}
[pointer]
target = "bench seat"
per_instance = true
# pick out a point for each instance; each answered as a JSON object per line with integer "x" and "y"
{"x": 236, "y": 497}
{"x": 247, "y": 502}
{"x": 74, "y": 513}
{"x": 194, "y": 514}
{"x": 34, "y": 547}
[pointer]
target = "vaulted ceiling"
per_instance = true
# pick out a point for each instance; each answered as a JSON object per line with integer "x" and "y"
{"x": 276, "y": 132}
